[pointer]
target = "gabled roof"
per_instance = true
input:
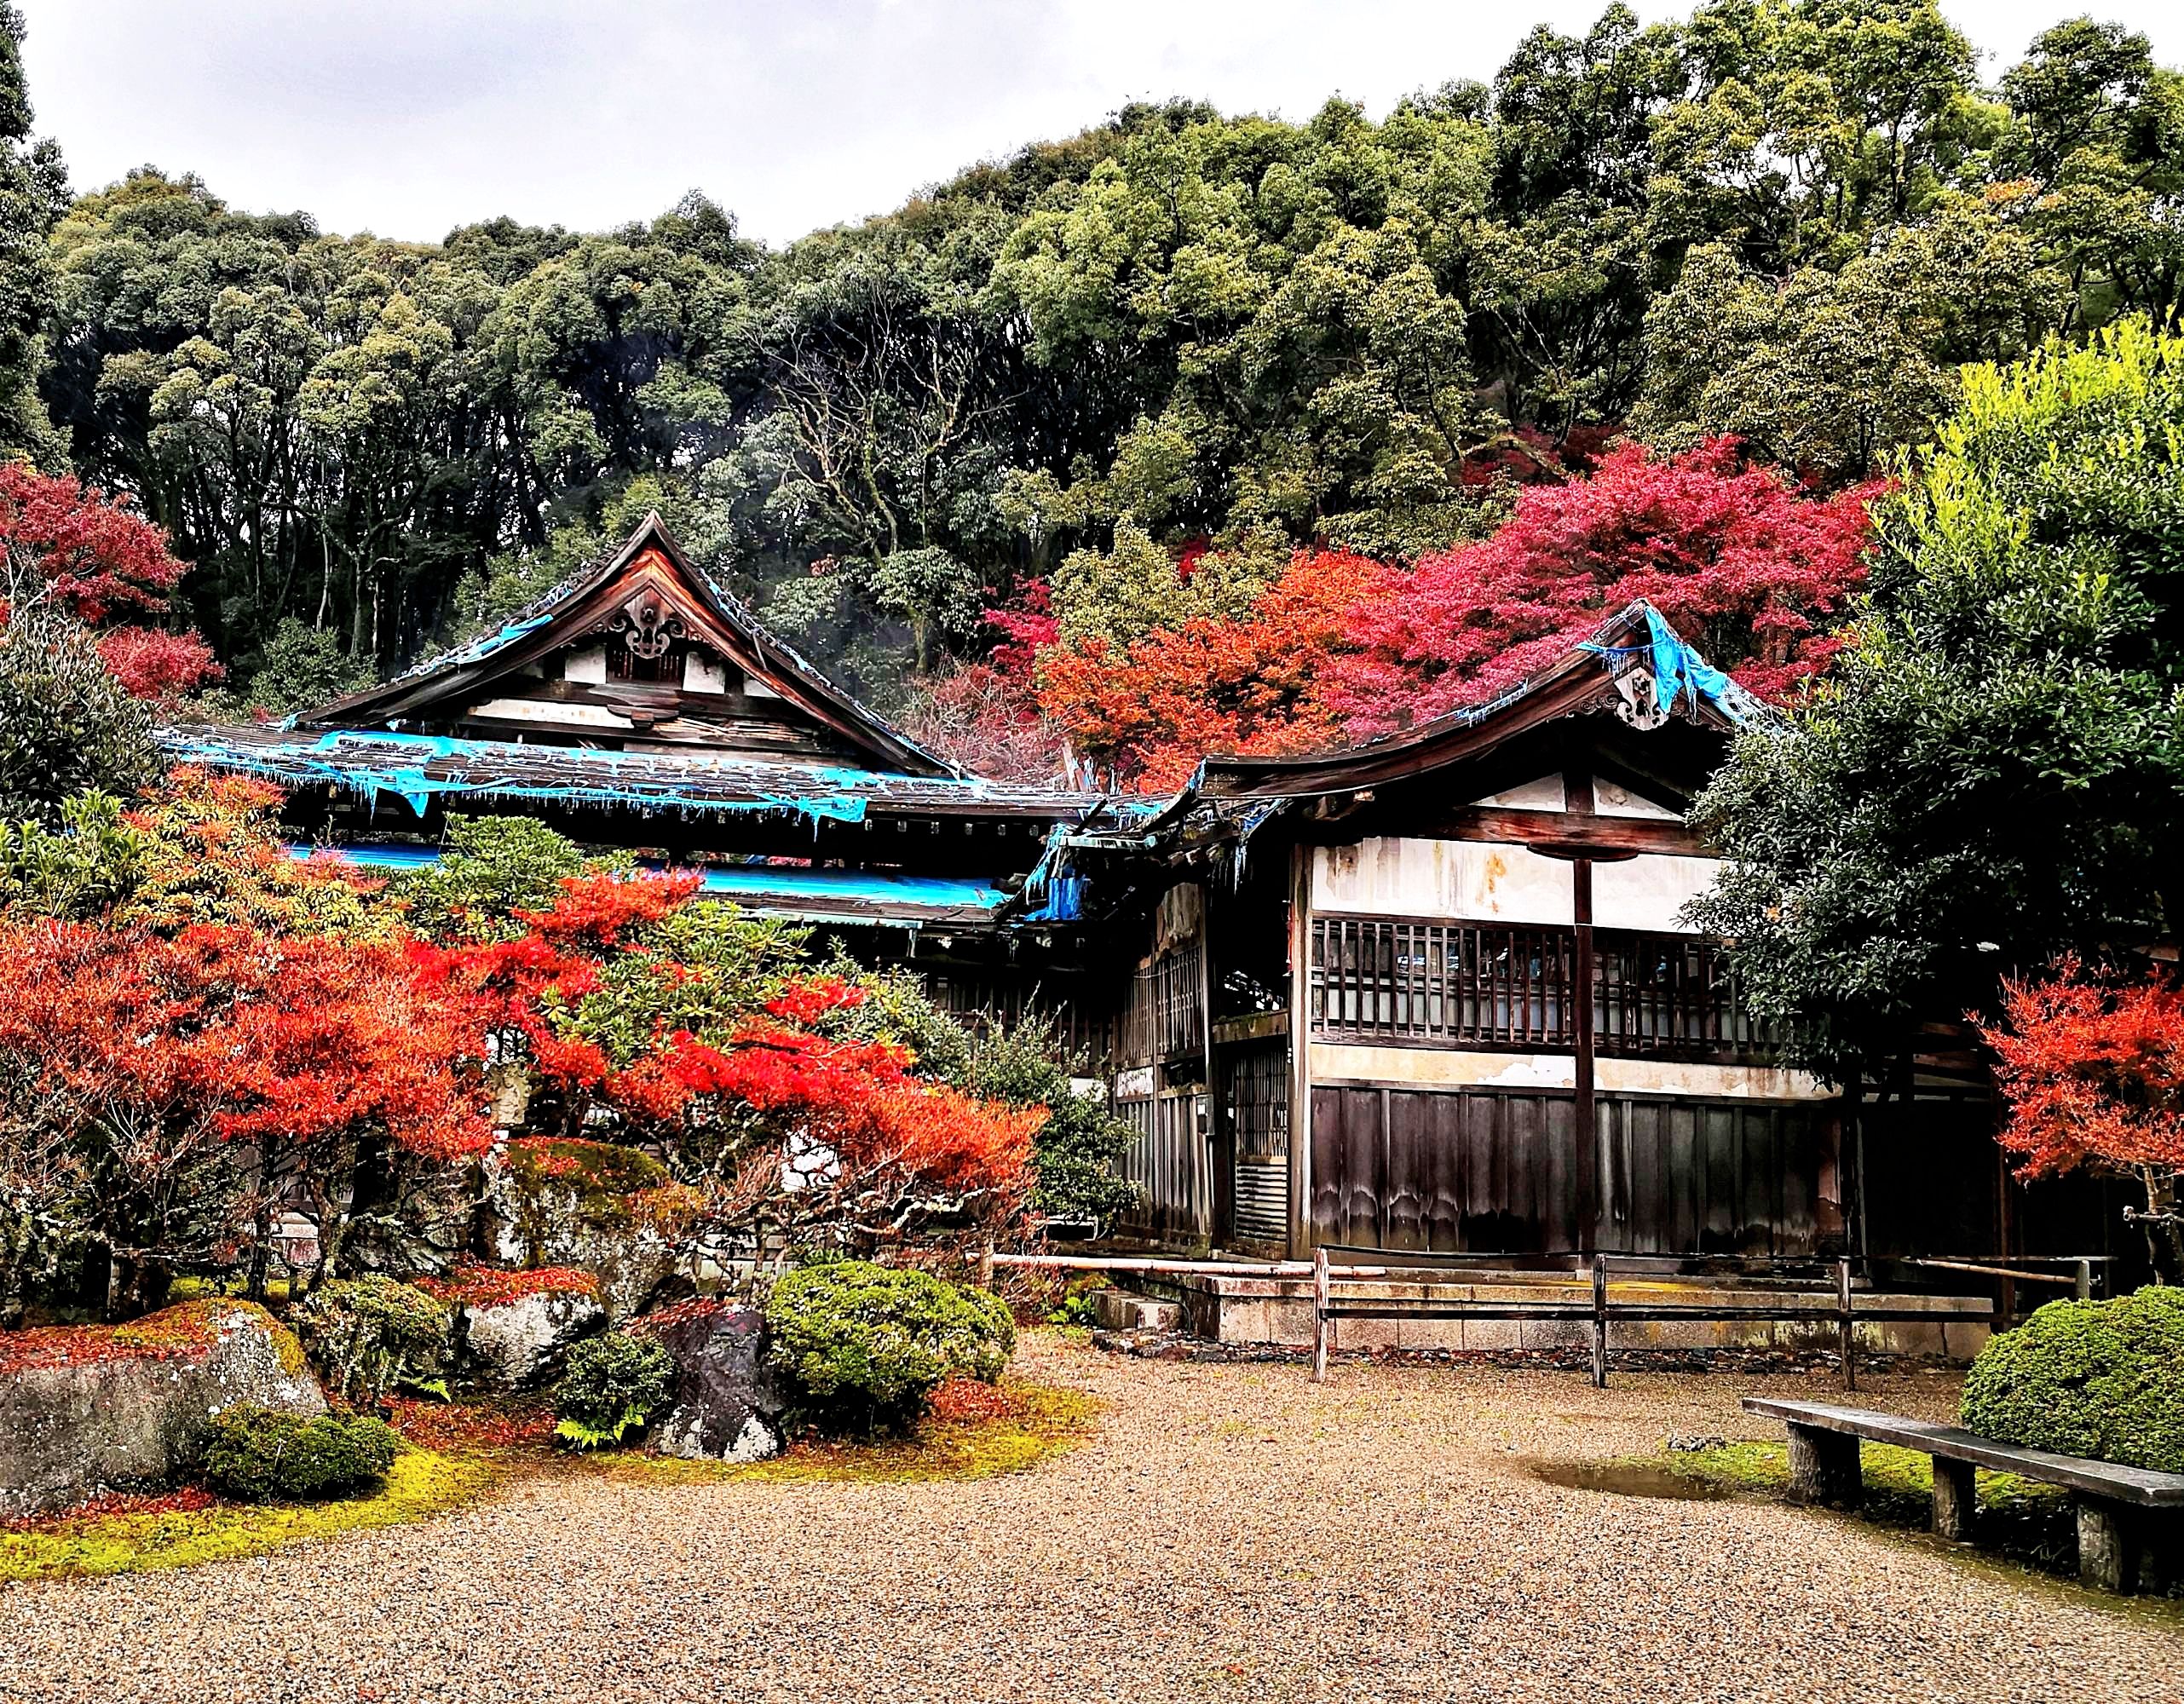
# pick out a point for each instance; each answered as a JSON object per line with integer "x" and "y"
{"x": 651, "y": 564}
{"x": 1634, "y": 660}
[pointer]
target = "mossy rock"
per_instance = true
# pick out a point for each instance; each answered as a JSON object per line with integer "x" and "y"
{"x": 604, "y": 1208}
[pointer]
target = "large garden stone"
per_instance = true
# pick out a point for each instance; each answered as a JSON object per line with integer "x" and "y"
{"x": 728, "y": 1403}
{"x": 521, "y": 1342}
{"x": 88, "y": 1409}
{"x": 603, "y": 1208}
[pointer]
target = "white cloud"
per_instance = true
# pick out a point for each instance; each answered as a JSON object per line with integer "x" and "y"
{"x": 408, "y": 117}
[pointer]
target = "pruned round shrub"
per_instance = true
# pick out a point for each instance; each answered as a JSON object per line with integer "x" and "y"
{"x": 367, "y": 1336}
{"x": 2099, "y": 1378}
{"x": 264, "y": 1455}
{"x": 612, "y": 1385}
{"x": 864, "y": 1347}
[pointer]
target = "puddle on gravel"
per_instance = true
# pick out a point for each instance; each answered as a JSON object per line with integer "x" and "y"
{"x": 1627, "y": 1479}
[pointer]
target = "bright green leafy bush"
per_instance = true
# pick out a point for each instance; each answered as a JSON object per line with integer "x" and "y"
{"x": 612, "y": 1386}
{"x": 2099, "y": 1378}
{"x": 866, "y": 1346}
{"x": 368, "y": 1335}
{"x": 263, "y": 1455}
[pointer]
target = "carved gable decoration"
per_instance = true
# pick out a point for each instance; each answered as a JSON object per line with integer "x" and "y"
{"x": 687, "y": 669}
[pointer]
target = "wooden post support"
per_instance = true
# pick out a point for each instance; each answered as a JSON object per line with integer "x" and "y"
{"x": 2108, "y": 1546}
{"x": 1823, "y": 1467}
{"x": 986, "y": 1264}
{"x": 1956, "y": 1499}
{"x": 1319, "y": 1314}
{"x": 1600, "y": 1322}
{"x": 2085, "y": 1281}
{"x": 1846, "y": 1330}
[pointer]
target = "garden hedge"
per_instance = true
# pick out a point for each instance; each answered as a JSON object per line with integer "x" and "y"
{"x": 865, "y": 1346}
{"x": 2104, "y": 1379}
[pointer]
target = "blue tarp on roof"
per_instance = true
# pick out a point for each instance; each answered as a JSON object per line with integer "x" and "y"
{"x": 417, "y": 768}
{"x": 784, "y": 890}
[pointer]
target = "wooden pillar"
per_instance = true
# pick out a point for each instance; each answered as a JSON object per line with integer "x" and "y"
{"x": 1823, "y": 1467}
{"x": 1956, "y": 1499}
{"x": 1301, "y": 1236}
{"x": 1319, "y": 1314}
{"x": 1577, "y": 795}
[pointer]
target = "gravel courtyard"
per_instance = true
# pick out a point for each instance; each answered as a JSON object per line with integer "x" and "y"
{"x": 1230, "y": 1533}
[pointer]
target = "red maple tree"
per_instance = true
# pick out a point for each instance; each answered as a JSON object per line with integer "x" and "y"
{"x": 1152, "y": 711}
{"x": 2093, "y": 1068}
{"x": 193, "y": 1079}
{"x": 1746, "y": 565}
{"x": 109, "y": 567}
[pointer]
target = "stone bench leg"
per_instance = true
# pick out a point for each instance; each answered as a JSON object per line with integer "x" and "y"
{"x": 2109, "y": 1548}
{"x": 1956, "y": 1499}
{"x": 1823, "y": 1467}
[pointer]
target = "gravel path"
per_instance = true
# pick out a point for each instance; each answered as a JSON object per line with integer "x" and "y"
{"x": 1231, "y": 1534}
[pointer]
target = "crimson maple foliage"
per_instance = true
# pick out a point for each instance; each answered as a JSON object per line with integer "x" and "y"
{"x": 2093, "y": 1068}
{"x": 110, "y": 568}
{"x": 1744, "y": 564}
{"x": 199, "y": 1076}
{"x": 1214, "y": 685}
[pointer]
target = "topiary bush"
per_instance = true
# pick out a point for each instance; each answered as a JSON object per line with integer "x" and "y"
{"x": 864, "y": 1347}
{"x": 612, "y": 1385}
{"x": 2099, "y": 1378}
{"x": 263, "y": 1455}
{"x": 366, "y": 1336}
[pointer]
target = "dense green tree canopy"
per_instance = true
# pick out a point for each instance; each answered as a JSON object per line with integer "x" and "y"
{"x": 1143, "y": 363}
{"x": 1995, "y": 774}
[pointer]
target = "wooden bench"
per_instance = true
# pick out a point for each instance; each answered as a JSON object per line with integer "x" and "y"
{"x": 2119, "y": 1509}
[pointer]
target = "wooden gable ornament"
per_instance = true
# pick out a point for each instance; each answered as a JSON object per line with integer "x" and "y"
{"x": 639, "y": 652}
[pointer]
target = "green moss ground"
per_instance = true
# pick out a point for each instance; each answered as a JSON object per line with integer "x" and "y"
{"x": 421, "y": 1484}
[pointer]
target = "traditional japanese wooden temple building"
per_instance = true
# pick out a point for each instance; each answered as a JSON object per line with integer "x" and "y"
{"x": 1430, "y": 993}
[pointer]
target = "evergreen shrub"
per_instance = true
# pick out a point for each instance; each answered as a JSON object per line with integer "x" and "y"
{"x": 864, "y": 1347}
{"x": 612, "y": 1385}
{"x": 263, "y": 1455}
{"x": 2104, "y": 1379}
{"x": 367, "y": 1336}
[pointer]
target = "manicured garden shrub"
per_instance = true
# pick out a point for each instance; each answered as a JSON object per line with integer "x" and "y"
{"x": 366, "y": 1336}
{"x": 865, "y": 1346}
{"x": 262, "y": 1456}
{"x": 612, "y": 1386}
{"x": 2099, "y": 1378}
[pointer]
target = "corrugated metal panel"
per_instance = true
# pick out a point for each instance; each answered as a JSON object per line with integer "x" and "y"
{"x": 1262, "y": 1200}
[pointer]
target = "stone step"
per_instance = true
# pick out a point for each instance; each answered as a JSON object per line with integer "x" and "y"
{"x": 1126, "y": 1311}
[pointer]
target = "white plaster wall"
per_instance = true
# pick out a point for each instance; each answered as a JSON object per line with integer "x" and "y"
{"x": 1721, "y": 1082}
{"x": 1486, "y": 880}
{"x": 1611, "y": 800}
{"x": 1547, "y": 793}
{"x": 538, "y": 710}
{"x": 1649, "y": 891}
{"x": 703, "y": 672}
{"x": 1333, "y": 1061}
{"x": 1451, "y": 1068}
{"x": 586, "y": 666}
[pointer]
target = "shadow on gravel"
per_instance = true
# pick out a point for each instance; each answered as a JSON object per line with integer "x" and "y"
{"x": 1628, "y": 1479}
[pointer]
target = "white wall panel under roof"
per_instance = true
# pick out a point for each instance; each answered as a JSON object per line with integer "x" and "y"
{"x": 1547, "y": 793}
{"x": 1650, "y": 891}
{"x": 1482, "y": 880}
{"x": 1611, "y": 800}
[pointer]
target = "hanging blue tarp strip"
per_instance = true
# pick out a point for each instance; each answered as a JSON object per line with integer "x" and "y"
{"x": 755, "y": 882}
{"x": 1676, "y": 667}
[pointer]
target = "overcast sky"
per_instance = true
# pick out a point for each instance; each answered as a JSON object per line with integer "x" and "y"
{"x": 408, "y": 117}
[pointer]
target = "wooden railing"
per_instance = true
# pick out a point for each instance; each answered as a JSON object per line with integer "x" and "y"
{"x": 1413, "y": 982}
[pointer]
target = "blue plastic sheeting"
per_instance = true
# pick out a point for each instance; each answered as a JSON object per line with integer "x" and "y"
{"x": 370, "y": 764}
{"x": 1676, "y": 667}
{"x": 758, "y": 884}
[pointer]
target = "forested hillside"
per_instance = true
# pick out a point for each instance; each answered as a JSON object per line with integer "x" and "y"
{"x": 1113, "y": 385}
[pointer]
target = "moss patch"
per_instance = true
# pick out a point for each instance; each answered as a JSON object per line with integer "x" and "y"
{"x": 420, "y": 1483}
{"x": 963, "y": 1439}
